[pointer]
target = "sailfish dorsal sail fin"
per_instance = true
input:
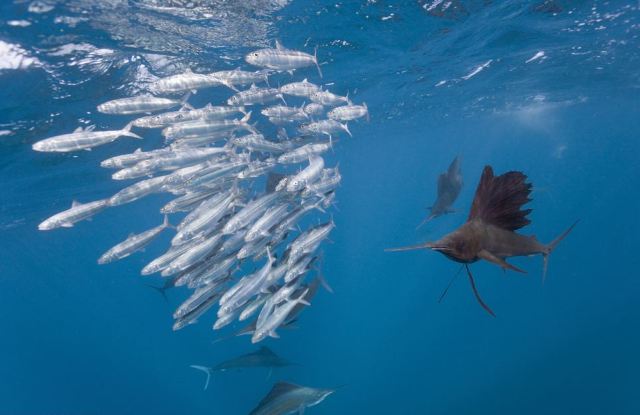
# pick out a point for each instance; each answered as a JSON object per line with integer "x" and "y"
{"x": 281, "y": 388}
{"x": 278, "y": 390}
{"x": 499, "y": 199}
{"x": 266, "y": 351}
{"x": 442, "y": 184}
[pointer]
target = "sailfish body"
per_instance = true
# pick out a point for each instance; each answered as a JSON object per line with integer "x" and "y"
{"x": 490, "y": 231}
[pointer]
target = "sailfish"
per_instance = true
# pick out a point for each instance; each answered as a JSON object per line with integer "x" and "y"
{"x": 449, "y": 185}
{"x": 490, "y": 230}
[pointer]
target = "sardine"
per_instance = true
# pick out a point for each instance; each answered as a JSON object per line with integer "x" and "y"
{"x": 307, "y": 175}
{"x": 76, "y": 213}
{"x": 208, "y": 112}
{"x": 140, "y": 104}
{"x": 349, "y": 112}
{"x": 281, "y": 59}
{"x": 300, "y": 89}
{"x": 133, "y": 243}
{"x": 82, "y": 139}
{"x": 255, "y": 95}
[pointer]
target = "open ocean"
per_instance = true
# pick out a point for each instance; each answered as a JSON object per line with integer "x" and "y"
{"x": 547, "y": 87}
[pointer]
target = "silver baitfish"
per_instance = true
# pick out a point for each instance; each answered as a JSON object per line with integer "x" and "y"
{"x": 302, "y": 89}
{"x": 282, "y": 59}
{"x": 187, "y": 81}
{"x": 140, "y": 104}
{"x": 76, "y": 213}
{"x": 82, "y": 139}
{"x": 208, "y": 112}
{"x": 326, "y": 127}
{"x": 133, "y": 243}
{"x": 329, "y": 98}
{"x": 200, "y": 128}
{"x": 240, "y": 77}
{"x": 255, "y": 95}
{"x": 349, "y": 112}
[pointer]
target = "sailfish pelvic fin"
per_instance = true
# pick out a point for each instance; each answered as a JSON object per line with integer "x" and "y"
{"x": 476, "y": 293}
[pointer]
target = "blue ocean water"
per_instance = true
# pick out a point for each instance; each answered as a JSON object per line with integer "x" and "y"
{"x": 548, "y": 87}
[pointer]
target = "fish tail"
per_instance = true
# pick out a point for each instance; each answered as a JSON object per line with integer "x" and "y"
{"x": 229, "y": 85}
{"x": 315, "y": 60}
{"x": 346, "y": 128}
{"x": 324, "y": 283}
{"x": 551, "y": 246}
{"x": 126, "y": 131}
{"x": 132, "y": 135}
{"x": 160, "y": 290}
{"x": 206, "y": 370}
{"x": 318, "y": 206}
{"x": 301, "y": 298}
{"x": 184, "y": 99}
{"x": 166, "y": 223}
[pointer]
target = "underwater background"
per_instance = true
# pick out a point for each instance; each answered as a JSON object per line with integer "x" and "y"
{"x": 548, "y": 87}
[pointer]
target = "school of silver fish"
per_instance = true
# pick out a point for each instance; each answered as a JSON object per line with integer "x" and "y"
{"x": 235, "y": 244}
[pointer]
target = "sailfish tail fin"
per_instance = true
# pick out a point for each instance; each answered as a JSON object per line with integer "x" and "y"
{"x": 425, "y": 245}
{"x": 552, "y": 245}
{"x": 161, "y": 290}
{"x": 206, "y": 370}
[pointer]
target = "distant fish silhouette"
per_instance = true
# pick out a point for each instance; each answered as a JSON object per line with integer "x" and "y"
{"x": 489, "y": 232}
{"x": 449, "y": 185}
{"x": 287, "y": 398}
{"x": 168, "y": 284}
{"x": 263, "y": 357}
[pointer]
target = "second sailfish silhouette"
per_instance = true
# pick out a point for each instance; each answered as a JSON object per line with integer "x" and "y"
{"x": 449, "y": 185}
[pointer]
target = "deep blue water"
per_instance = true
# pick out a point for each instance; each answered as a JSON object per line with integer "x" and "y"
{"x": 78, "y": 338}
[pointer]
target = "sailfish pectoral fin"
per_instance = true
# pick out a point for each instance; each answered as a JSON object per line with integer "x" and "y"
{"x": 425, "y": 245}
{"x": 475, "y": 292}
{"x": 488, "y": 256}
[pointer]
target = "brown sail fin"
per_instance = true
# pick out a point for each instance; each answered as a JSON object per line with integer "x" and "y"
{"x": 499, "y": 199}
